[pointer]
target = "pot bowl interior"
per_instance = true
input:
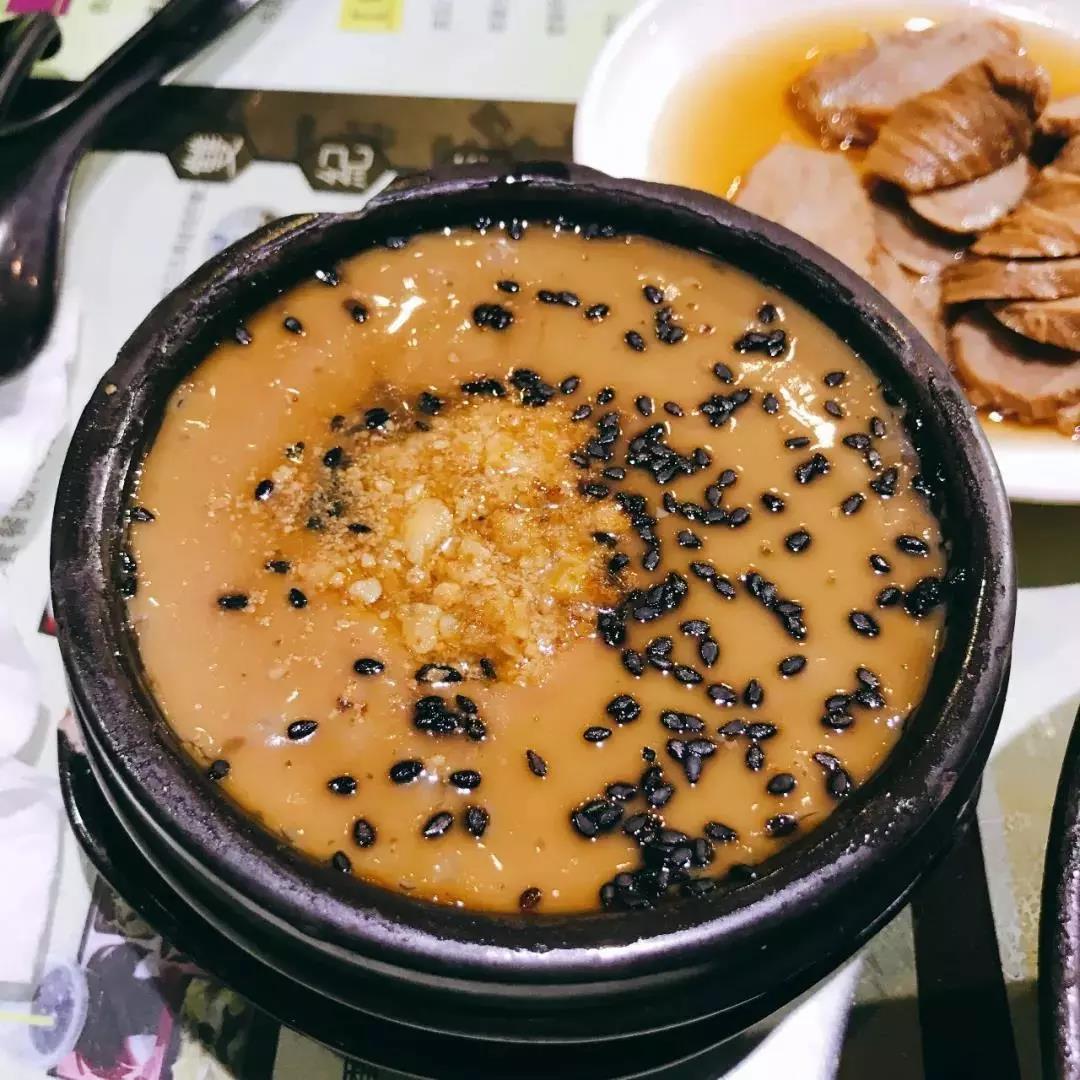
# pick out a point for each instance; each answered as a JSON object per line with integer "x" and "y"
{"x": 930, "y": 772}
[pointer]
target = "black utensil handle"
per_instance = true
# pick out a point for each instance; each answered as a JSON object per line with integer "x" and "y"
{"x": 172, "y": 36}
{"x": 963, "y": 1008}
{"x": 23, "y": 44}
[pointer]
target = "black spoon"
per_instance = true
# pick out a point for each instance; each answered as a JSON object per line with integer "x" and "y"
{"x": 38, "y": 157}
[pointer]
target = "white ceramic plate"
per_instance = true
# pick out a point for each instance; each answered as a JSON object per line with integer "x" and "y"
{"x": 663, "y": 41}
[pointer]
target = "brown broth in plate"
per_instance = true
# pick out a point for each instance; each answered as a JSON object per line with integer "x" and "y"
{"x": 256, "y": 608}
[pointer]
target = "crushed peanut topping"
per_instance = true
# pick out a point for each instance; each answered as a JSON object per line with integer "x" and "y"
{"x": 469, "y": 533}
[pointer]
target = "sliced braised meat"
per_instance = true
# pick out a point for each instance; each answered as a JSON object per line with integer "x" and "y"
{"x": 817, "y": 195}
{"x": 850, "y": 95}
{"x": 1018, "y": 76}
{"x": 1053, "y": 322}
{"x": 1005, "y": 371}
{"x": 1047, "y": 221}
{"x": 975, "y": 206}
{"x": 1016, "y": 279}
{"x": 1068, "y": 420}
{"x": 919, "y": 298}
{"x": 1061, "y": 118}
{"x": 913, "y": 243}
{"x": 972, "y": 126}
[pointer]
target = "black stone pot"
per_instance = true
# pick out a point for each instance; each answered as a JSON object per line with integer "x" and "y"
{"x": 1059, "y": 926}
{"x": 525, "y": 991}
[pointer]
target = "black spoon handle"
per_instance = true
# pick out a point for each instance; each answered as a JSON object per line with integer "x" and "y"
{"x": 23, "y": 44}
{"x": 38, "y": 158}
{"x": 175, "y": 34}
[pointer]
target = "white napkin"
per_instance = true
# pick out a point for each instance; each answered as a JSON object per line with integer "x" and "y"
{"x": 33, "y": 407}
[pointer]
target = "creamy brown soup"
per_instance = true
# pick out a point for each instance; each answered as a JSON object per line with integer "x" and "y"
{"x": 535, "y": 571}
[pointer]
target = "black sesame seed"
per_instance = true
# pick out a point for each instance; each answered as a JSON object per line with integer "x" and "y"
{"x": 334, "y": 457}
{"x": 218, "y": 769}
{"x": 886, "y": 484}
{"x": 853, "y": 503}
{"x": 278, "y": 566}
{"x": 620, "y": 791}
{"x": 438, "y": 825}
{"x": 768, "y": 313}
{"x": 405, "y": 771}
{"x": 358, "y": 527}
{"x": 797, "y": 542}
{"x": 781, "y": 784}
{"x": 781, "y": 825}
{"x": 925, "y": 595}
{"x": 357, "y": 311}
{"x": 233, "y": 601}
{"x": 864, "y": 624}
{"x": 597, "y": 312}
{"x": 492, "y": 316}
{"x": 615, "y": 472}
{"x": 722, "y": 694}
{"x": 686, "y": 675}
{"x": 570, "y": 384}
{"x": 368, "y": 665}
{"x": 773, "y": 503}
{"x": 754, "y": 758}
{"x": 673, "y": 408}
{"x": 739, "y": 516}
{"x": 912, "y": 545}
{"x": 242, "y": 335}
{"x": 605, "y": 396}
{"x": 835, "y": 378}
{"x": 436, "y": 674}
{"x": 633, "y": 662}
{"x": 342, "y": 785}
{"x": 721, "y": 834}
{"x": 877, "y": 427}
{"x": 623, "y": 709}
{"x": 754, "y": 694}
{"x": 760, "y": 729}
{"x": 634, "y": 340}
{"x": 879, "y": 564}
{"x": 653, "y": 294}
{"x": 889, "y": 597}
{"x": 687, "y": 539}
{"x": 791, "y": 665}
{"x": 530, "y": 898}
{"x": 264, "y": 489}
{"x": 507, "y": 286}
{"x": 301, "y": 729}
{"x": 816, "y": 465}
{"x": 293, "y": 325}
{"x": 141, "y": 515}
{"x": 297, "y": 598}
{"x": 582, "y": 412}
{"x": 723, "y": 372}
{"x": 477, "y": 820}
{"x": 770, "y": 403}
{"x": 644, "y": 405}
{"x": 799, "y": 442}
{"x": 341, "y": 862}
{"x": 709, "y": 651}
{"x": 375, "y": 418}
{"x": 833, "y": 408}
{"x": 537, "y": 765}
{"x": 593, "y": 489}
{"x": 429, "y": 403}
{"x": 465, "y": 779}
{"x": 660, "y": 796}
{"x": 363, "y": 833}
{"x": 858, "y": 441}
{"x": 395, "y": 243}
{"x": 597, "y": 733}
